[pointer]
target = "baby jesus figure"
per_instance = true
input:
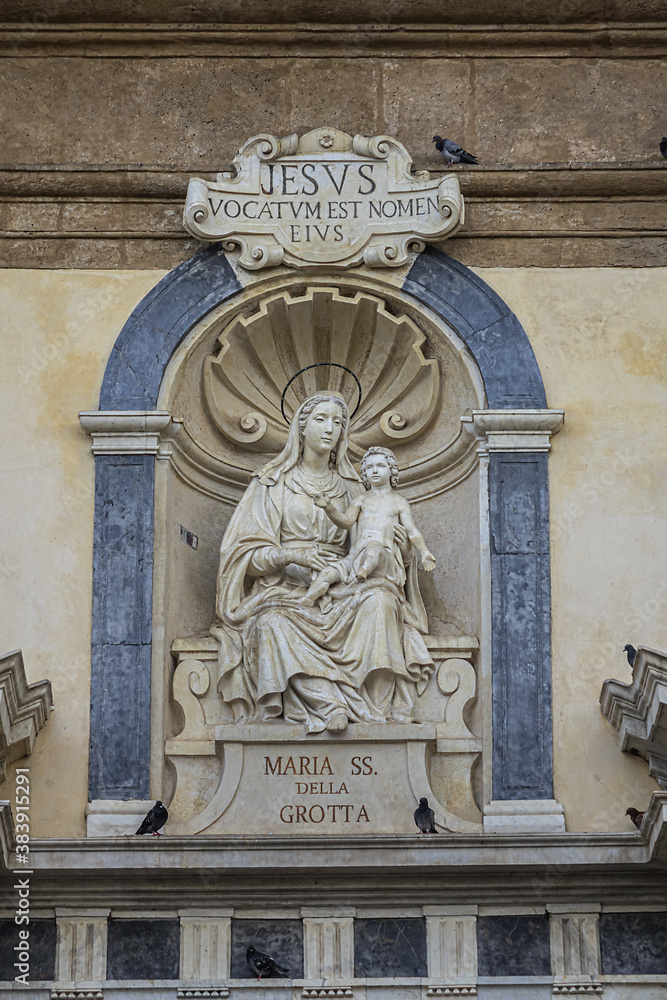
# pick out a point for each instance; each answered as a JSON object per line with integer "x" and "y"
{"x": 375, "y": 514}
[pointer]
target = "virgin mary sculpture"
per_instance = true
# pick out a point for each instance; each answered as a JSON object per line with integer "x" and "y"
{"x": 356, "y": 656}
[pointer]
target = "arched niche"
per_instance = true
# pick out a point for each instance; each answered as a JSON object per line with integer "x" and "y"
{"x": 159, "y": 356}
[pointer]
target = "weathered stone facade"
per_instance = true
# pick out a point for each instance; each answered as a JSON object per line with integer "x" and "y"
{"x": 547, "y": 529}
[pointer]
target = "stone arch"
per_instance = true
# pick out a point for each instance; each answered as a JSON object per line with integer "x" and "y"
{"x": 154, "y": 330}
{"x": 123, "y": 546}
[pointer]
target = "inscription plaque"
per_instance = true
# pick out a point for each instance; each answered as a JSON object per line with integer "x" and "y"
{"x": 325, "y": 198}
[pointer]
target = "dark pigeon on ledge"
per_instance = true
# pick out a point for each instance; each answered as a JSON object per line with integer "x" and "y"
{"x": 424, "y": 817}
{"x": 663, "y": 146}
{"x": 632, "y": 652}
{"x": 451, "y": 151}
{"x": 154, "y": 820}
{"x": 264, "y": 965}
{"x": 636, "y": 816}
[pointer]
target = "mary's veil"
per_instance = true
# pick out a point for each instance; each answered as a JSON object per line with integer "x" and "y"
{"x": 291, "y": 453}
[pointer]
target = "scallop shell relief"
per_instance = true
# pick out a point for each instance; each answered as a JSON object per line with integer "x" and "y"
{"x": 259, "y": 354}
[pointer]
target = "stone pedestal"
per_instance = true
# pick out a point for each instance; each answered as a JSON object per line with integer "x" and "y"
{"x": 272, "y": 778}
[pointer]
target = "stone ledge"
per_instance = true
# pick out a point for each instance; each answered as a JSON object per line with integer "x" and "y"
{"x": 310, "y": 37}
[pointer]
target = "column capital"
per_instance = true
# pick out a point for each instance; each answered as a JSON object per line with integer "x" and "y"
{"x": 128, "y": 432}
{"x": 513, "y": 430}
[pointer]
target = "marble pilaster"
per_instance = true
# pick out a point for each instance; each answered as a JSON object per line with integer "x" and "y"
{"x": 328, "y": 943}
{"x": 81, "y": 952}
{"x": 206, "y": 945}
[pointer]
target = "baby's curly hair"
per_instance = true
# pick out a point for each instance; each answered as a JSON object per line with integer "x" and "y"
{"x": 393, "y": 466}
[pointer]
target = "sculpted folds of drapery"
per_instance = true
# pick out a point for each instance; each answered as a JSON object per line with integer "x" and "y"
{"x": 358, "y": 654}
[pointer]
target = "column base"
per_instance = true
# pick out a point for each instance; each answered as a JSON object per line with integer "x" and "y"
{"x": 524, "y": 816}
{"x": 115, "y": 817}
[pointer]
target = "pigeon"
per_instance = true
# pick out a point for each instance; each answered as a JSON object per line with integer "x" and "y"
{"x": 636, "y": 816}
{"x": 264, "y": 965}
{"x": 663, "y": 146}
{"x": 632, "y": 652}
{"x": 451, "y": 151}
{"x": 425, "y": 817}
{"x": 154, "y": 820}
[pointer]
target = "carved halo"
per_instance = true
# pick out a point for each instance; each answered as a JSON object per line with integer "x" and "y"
{"x": 320, "y": 364}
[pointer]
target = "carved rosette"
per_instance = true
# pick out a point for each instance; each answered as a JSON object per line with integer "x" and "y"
{"x": 325, "y": 198}
{"x": 260, "y": 353}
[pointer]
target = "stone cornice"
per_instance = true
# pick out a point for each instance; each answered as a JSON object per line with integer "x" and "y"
{"x": 513, "y": 430}
{"x": 340, "y": 11}
{"x": 638, "y": 711}
{"x": 166, "y": 182}
{"x": 24, "y": 710}
{"x": 372, "y": 870}
{"x": 602, "y": 40}
{"x": 127, "y": 432}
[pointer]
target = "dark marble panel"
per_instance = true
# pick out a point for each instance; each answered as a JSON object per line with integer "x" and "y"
{"x": 281, "y": 939}
{"x": 121, "y": 651}
{"x": 634, "y": 944}
{"x": 386, "y": 948}
{"x": 143, "y": 949}
{"x": 492, "y": 332}
{"x": 158, "y": 324}
{"x": 42, "y": 949}
{"x": 521, "y": 614}
{"x": 123, "y": 548}
{"x": 513, "y": 946}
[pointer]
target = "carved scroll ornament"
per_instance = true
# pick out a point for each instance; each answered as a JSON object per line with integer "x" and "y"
{"x": 325, "y": 198}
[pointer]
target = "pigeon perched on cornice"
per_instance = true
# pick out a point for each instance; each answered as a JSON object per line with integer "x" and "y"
{"x": 451, "y": 151}
{"x": 632, "y": 652}
{"x": 424, "y": 817}
{"x": 154, "y": 820}
{"x": 264, "y": 965}
{"x": 663, "y": 146}
{"x": 636, "y": 816}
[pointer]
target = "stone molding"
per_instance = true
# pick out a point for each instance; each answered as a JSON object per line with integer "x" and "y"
{"x": 638, "y": 711}
{"x": 513, "y": 430}
{"x": 75, "y": 993}
{"x": 128, "y": 432}
{"x": 202, "y": 993}
{"x": 24, "y": 710}
{"x": 414, "y": 40}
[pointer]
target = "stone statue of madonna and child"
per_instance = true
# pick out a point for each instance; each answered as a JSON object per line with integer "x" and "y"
{"x": 320, "y": 617}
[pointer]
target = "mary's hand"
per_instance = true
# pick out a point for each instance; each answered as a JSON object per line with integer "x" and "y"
{"x": 401, "y": 538}
{"x": 308, "y": 557}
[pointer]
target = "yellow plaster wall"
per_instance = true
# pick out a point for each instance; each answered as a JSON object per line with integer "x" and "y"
{"x": 601, "y": 344}
{"x": 57, "y": 329}
{"x": 600, "y": 339}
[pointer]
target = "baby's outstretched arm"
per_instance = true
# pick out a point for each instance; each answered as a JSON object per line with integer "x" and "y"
{"x": 342, "y": 519}
{"x": 417, "y": 539}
